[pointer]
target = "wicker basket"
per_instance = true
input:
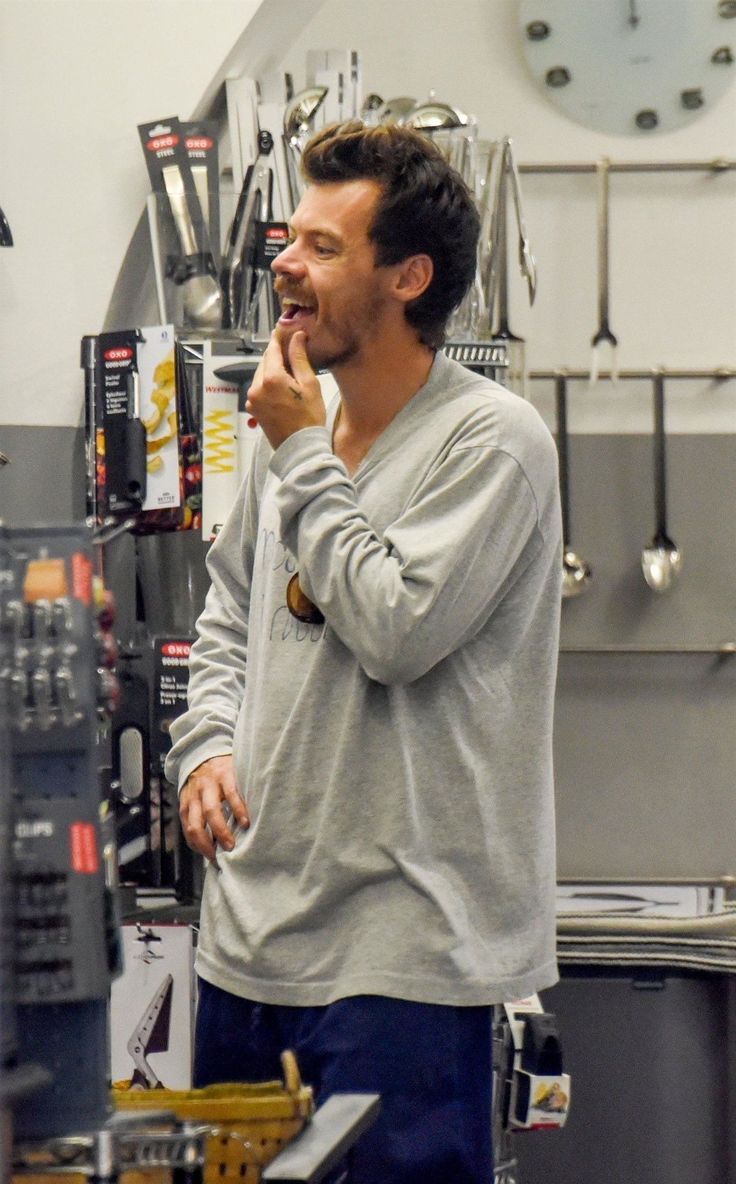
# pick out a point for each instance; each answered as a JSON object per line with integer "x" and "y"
{"x": 250, "y": 1123}
{"x": 249, "y": 1126}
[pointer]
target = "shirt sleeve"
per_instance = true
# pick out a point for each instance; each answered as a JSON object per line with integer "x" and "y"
{"x": 405, "y": 599}
{"x": 217, "y": 660}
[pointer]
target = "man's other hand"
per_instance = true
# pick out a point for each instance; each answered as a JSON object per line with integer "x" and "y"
{"x": 200, "y": 806}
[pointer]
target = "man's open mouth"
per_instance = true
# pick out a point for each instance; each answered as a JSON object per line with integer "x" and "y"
{"x": 292, "y": 312}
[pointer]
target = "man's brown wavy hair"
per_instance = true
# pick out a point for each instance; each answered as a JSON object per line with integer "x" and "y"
{"x": 425, "y": 209}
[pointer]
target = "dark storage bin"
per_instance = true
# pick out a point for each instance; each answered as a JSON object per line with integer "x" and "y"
{"x": 651, "y": 1061}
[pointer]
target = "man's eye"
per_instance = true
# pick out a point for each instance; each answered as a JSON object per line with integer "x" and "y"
{"x": 323, "y": 250}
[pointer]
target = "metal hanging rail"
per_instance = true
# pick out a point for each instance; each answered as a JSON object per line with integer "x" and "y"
{"x": 721, "y": 374}
{"x": 718, "y": 165}
{"x": 725, "y": 649}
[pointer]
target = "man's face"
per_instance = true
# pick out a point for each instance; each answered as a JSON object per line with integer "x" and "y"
{"x": 327, "y": 279}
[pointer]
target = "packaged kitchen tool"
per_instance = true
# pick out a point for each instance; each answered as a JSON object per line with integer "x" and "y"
{"x": 270, "y": 239}
{"x": 254, "y": 241}
{"x": 111, "y": 375}
{"x": 539, "y": 1096}
{"x": 221, "y": 446}
{"x": 200, "y": 141}
{"x": 140, "y": 455}
{"x": 190, "y": 262}
{"x": 169, "y": 700}
{"x": 131, "y": 766}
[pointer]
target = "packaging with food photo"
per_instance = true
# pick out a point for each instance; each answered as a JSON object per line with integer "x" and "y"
{"x": 161, "y": 509}
{"x": 146, "y": 455}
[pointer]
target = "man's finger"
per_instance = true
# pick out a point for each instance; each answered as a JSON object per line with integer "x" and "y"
{"x": 192, "y": 823}
{"x": 237, "y": 805}
{"x": 273, "y": 357}
{"x": 298, "y": 360}
{"x": 212, "y": 802}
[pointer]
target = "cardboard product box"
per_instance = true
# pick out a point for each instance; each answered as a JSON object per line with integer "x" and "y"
{"x": 152, "y": 1007}
{"x": 138, "y": 453}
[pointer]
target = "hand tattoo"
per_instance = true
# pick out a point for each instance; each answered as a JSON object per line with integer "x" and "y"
{"x": 297, "y": 394}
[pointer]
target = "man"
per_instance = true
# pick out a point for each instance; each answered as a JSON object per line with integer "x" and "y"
{"x": 372, "y": 686}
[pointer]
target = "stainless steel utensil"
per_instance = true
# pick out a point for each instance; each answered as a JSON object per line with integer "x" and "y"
{"x": 526, "y": 259}
{"x": 394, "y": 109}
{"x": 506, "y": 167}
{"x": 202, "y": 304}
{"x": 298, "y": 127}
{"x": 603, "y": 335}
{"x": 369, "y": 108}
{"x": 515, "y": 376}
{"x": 257, "y": 279}
{"x": 576, "y": 574}
{"x": 158, "y": 275}
{"x": 432, "y": 115}
{"x": 300, "y": 111}
{"x": 237, "y": 272}
{"x": 491, "y": 270}
{"x": 661, "y": 561}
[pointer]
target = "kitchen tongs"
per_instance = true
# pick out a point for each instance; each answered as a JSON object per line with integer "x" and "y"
{"x": 526, "y": 259}
{"x": 240, "y": 285}
{"x": 507, "y": 168}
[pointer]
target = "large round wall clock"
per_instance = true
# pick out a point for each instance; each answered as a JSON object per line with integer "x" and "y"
{"x": 631, "y": 67}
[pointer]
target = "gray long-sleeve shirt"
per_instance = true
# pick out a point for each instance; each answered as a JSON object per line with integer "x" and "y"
{"x": 397, "y": 760}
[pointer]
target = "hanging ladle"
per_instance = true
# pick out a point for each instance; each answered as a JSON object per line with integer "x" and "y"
{"x": 661, "y": 561}
{"x": 297, "y": 129}
{"x": 432, "y": 115}
{"x": 300, "y": 112}
{"x": 576, "y": 574}
{"x": 394, "y": 110}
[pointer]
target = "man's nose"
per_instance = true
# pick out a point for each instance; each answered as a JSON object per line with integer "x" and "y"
{"x": 288, "y": 262}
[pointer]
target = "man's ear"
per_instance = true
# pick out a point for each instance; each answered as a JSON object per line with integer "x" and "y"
{"x": 413, "y": 276}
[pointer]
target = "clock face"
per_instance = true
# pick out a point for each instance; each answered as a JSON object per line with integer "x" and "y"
{"x": 631, "y": 67}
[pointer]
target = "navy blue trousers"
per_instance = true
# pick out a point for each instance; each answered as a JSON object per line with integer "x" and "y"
{"x": 431, "y": 1064}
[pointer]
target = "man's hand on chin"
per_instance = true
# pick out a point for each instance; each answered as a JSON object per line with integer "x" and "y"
{"x": 283, "y": 402}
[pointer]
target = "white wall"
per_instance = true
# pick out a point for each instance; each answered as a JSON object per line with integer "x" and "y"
{"x": 79, "y": 75}
{"x": 76, "y": 78}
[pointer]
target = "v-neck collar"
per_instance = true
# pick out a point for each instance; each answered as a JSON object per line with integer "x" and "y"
{"x": 413, "y": 406}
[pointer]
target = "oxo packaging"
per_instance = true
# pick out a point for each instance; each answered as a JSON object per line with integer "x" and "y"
{"x": 134, "y": 439}
{"x": 170, "y": 172}
{"x": 200, "y": 141}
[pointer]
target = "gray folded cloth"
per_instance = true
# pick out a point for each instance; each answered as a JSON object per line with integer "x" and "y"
{"x": 710, "y": 925}
{"x": 706, "y": 943}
